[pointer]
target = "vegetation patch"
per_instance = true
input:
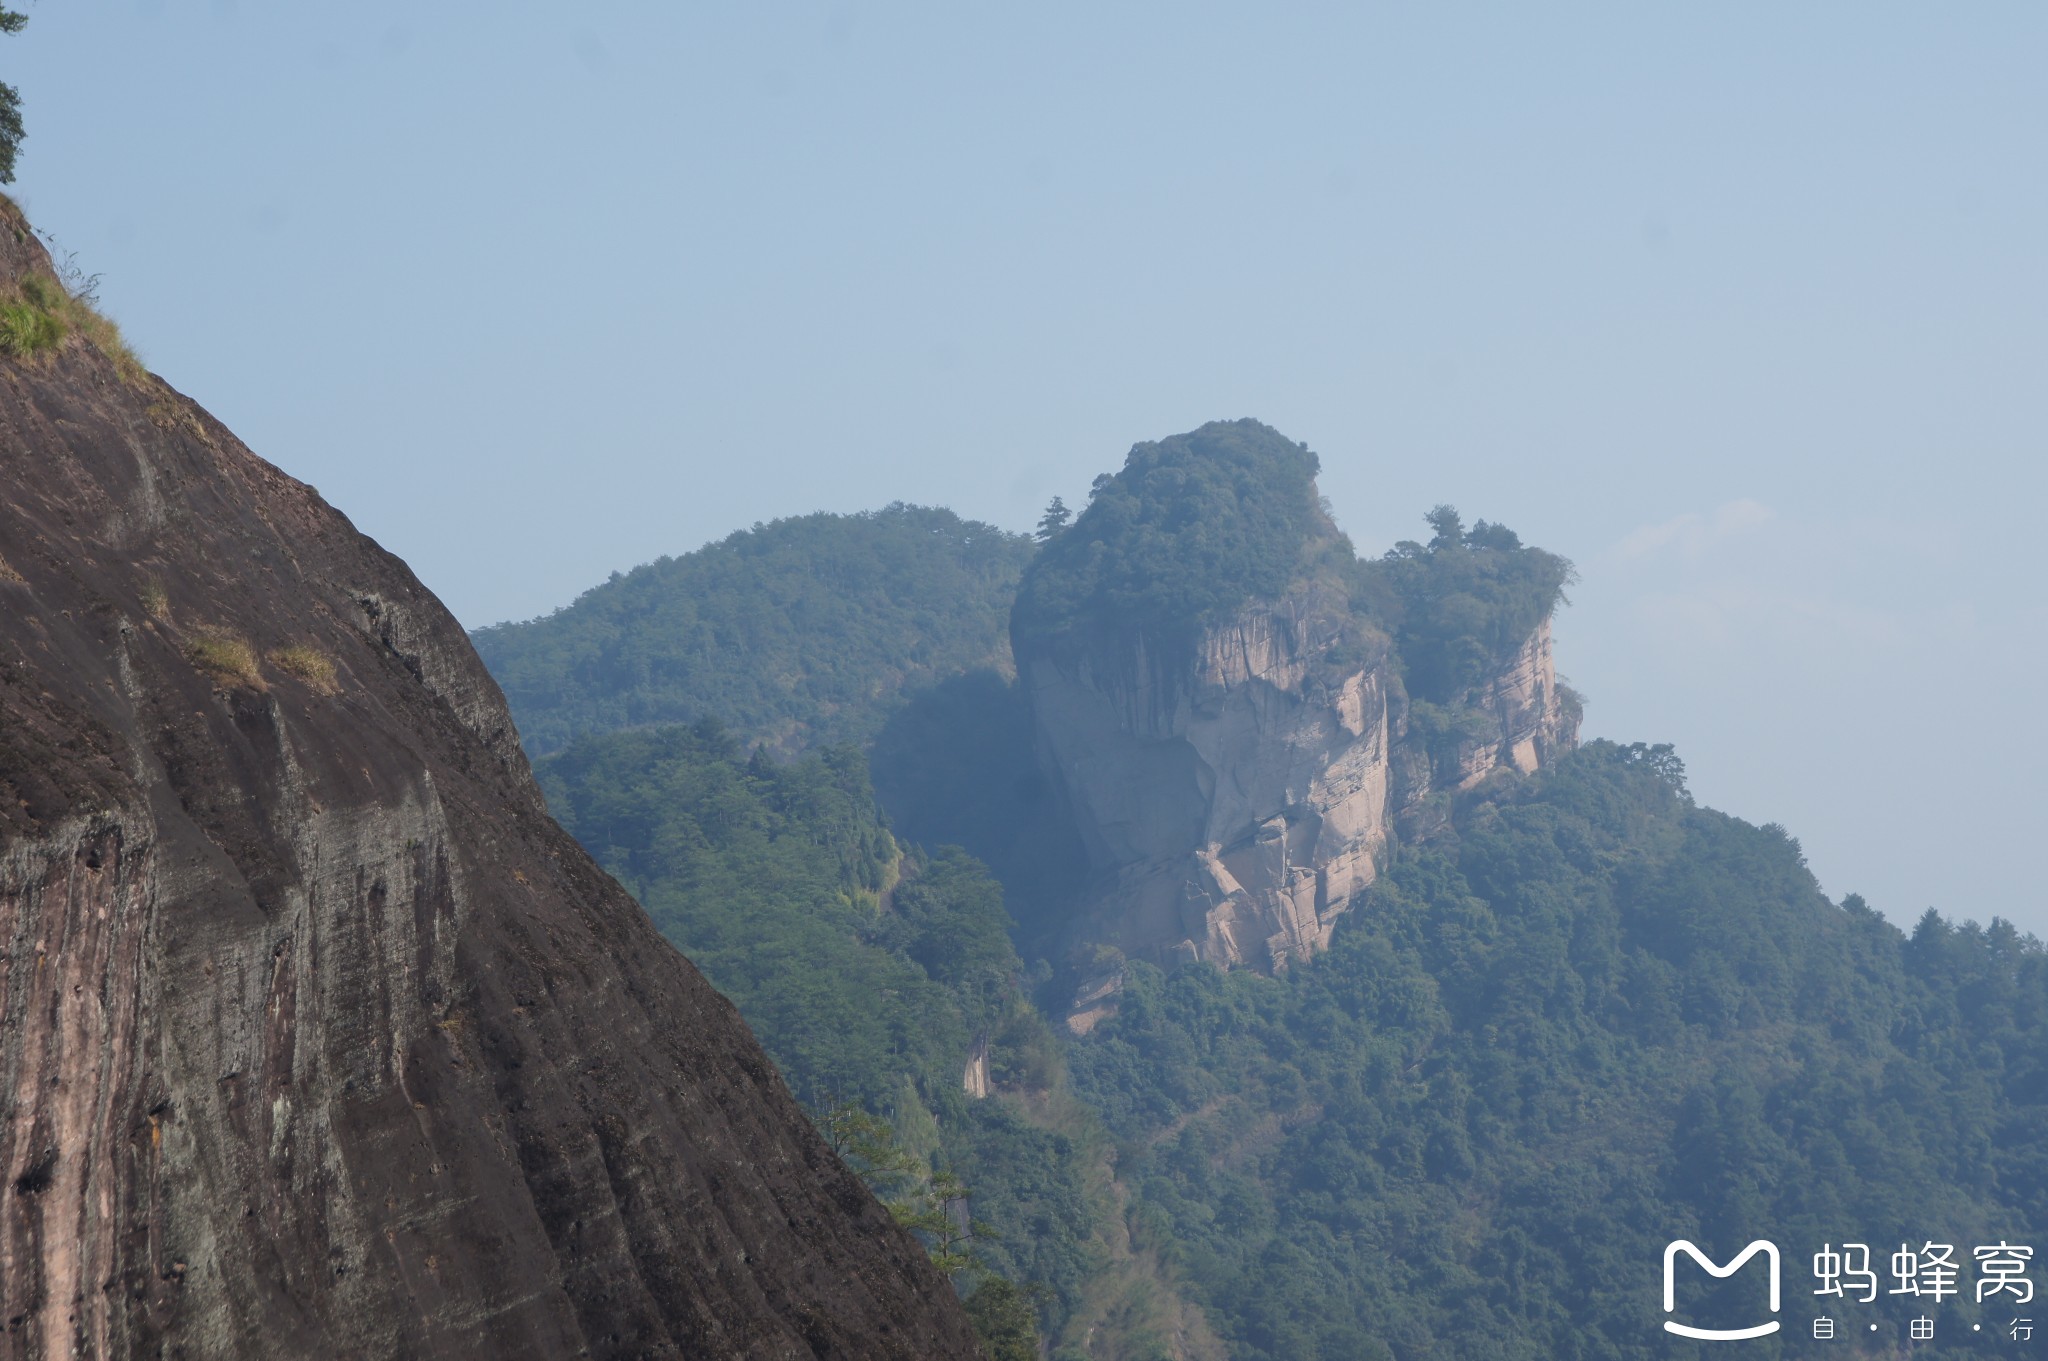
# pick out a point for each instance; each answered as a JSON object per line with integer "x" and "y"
{"x": 27, "y": 331}
{"x": 1460, "y": 605}
{"x": 171, "y": 415}
{"x": 41, "y": 312}
{"x": 228, "y": 656}
{"x": 1190, "y": 529}
{"x": 156, "y": 600}
{"x": 309, "y": 664}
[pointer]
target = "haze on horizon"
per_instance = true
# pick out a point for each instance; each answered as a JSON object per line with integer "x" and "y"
{"x": 1740, "y": 310}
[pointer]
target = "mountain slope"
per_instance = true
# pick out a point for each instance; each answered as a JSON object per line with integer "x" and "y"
{"x": 1597, "y": 1019}
{"x": 317, "y": 1036}
{"x": 798, "y": 633}
{"x": 877, "y": 974}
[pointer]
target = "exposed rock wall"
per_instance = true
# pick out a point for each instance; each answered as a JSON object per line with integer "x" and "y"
{"x": 1236, "y": 798}
{"x": 317, "y": 1036}
{"x": 1516, "y": 718}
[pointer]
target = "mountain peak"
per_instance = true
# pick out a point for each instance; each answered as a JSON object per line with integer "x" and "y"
{"x": 1190, "y": 528}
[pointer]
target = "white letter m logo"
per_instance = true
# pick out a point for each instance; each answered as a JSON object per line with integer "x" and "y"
{"x": 1671, "y": 1251}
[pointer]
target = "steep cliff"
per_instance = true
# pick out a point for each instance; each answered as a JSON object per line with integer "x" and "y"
{"x": 317, "y": 1036}
{"x": 1238, "y": 770}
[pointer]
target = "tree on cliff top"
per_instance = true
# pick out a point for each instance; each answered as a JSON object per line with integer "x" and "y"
{"x": 1460, "y": 605}
{"x": 11, "y": 21}
{"x": 1192, "y": 527}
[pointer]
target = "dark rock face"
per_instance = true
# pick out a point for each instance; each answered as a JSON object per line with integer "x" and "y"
{"x": 317, "y": 1036}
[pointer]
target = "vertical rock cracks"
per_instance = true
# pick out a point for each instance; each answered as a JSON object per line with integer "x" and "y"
{"x": 1232, "y": 807}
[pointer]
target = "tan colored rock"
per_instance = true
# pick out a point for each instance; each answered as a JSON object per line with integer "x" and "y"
{"x": 1095, "y": 1001}
{"x": 1235, "y": 805}
{"x": 974, "y": 1080}
{"x": 1521, "y": 723}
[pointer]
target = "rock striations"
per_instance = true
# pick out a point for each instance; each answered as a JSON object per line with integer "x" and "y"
{"x": 317, "y": 1036}
{"x": 1239, "y": 781}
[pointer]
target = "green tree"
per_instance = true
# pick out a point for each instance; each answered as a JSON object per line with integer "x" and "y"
{"x": 865, "y": 1142}
{"x": 1449, "y": 527}
{"x": 930, "y": 1202}
{"x": 1002, "y": 1316}
{"x": 11, "y": 21}
{"x": 1054, "y": 520}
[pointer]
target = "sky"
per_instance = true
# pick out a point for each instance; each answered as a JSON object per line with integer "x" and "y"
{"x": 1743, "y": 308}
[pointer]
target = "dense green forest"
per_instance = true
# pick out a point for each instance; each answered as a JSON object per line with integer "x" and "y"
{"x": 798, "y": 633}
{"x": 1190, "y": 528}
{"x": 870, "y": 972}
{"x": 1599, "y": 1019}
{"x": 773, "y": 878}
{"x": 1585, "y": 1018}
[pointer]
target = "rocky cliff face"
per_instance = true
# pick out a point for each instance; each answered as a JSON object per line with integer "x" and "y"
{"x": 317, "y": 1036}
{"x": 1235, "y": 797}
{"x": 1516, "y": 718}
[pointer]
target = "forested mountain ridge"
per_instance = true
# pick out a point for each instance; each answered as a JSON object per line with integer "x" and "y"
{"x": 1591, "y": 1018}
{"x": 1571, "y": 1016}
{"x": 797, "y": 633}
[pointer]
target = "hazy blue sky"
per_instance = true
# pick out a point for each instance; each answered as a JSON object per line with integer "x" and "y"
{"x": 1741, "y": 307}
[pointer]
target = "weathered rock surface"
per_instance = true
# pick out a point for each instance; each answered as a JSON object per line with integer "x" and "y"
{"x": 318, "y": 1037}
{"x": 1236, "y": 797}
{"x": 1516, "y": 719}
